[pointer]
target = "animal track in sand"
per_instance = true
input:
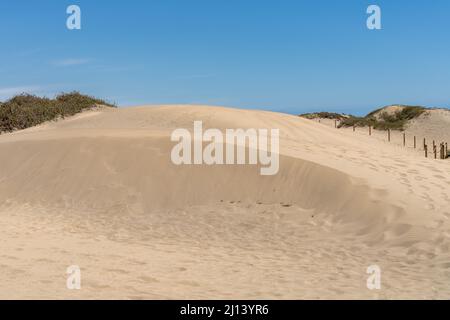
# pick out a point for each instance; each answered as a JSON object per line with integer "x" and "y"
{"x": 405, "y": 182}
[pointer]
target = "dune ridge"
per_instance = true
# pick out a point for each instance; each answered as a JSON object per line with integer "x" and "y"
{"x": 104, "y": 179}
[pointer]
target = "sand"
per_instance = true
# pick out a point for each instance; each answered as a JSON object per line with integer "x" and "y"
{"x": 99, "y": 191}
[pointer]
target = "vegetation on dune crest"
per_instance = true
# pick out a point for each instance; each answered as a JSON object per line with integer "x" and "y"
{"x": 405, "y": 108}
{"x": 26, "y": 110}
{"x": 384, "y": 120}
{"x": 379, "y": 119}
{"x": 324, "y": 115}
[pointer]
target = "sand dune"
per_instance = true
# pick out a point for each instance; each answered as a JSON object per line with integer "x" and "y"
{"x": 433, "y": 124}
{"x": 99, "y": 190}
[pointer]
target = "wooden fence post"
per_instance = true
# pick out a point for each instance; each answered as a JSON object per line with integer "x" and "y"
{"x": 335, "y": 123}
{"x": 442, "y": 151}
{"x": 370, "y": 130}
{"x": 446, "y": 151}
{"x": 404, "y": 139}
{"x": 415, "y": 142}
{"x": 434, "y": 151}
{"x": 424, "y": 142}
{"x": 389, "y": 135}
{"x": 425, "y": 147}
{"x": 353, "y": 128}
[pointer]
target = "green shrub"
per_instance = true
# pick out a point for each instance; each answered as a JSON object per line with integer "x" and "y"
{"x": 357, "y": 122}
{"x": 323, "y": 115}
{"x": 26, "y": 110}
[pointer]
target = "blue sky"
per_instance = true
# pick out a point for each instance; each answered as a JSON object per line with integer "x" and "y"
{"x": 291, "y": 56}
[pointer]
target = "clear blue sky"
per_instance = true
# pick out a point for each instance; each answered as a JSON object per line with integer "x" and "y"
{"x": 283, "y": 55}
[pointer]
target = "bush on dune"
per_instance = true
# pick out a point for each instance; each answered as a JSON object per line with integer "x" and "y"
{"x": 385, "y": 121}
{"x": 323, "y": 115}
{"x": 357, "y": 122}
{"x": 26, "y": 110}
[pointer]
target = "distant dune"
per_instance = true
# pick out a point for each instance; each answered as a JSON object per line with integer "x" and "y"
{"x": 431, "y": 124}
{"x": 98, "y": 190}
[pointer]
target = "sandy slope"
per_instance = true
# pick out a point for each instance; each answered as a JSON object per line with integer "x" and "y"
{"x": 433, "y": 124}
{"x": 99, "y": 191}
